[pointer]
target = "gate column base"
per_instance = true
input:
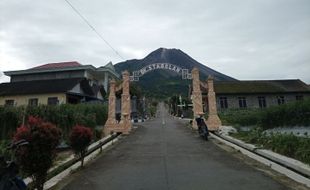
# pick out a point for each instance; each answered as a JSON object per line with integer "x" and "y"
{"x": 213, "y": 122}
{"x": 123, "y": 127}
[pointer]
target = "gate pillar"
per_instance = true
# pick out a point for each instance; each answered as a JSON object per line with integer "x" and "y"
{"x": 196, "y": 97}
{"x": 111, "y": 122}
{"x": 126, "y": 108}
{"x": 213, "y": 120}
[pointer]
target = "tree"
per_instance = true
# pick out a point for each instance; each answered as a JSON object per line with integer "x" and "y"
{"x": 37, "y": 158}
{"x": 80, "y": 139}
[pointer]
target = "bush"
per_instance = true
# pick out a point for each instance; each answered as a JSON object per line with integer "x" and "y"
{"x": 97, "y": 134}
{"x": 10, "y": 118}
{"x": 290, "y": 114}
{"x": 241, "y": 117}
{"x": 80, "y": 139}
{"x": 37, "y": 158}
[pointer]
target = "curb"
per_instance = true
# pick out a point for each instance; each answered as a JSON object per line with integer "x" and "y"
{"x": 277, "y": 162}
{"x": 56, "y": 179}
{"x": 291, "y": 163}
{"x": 300, "y": 167}
{"x": 247, "y": 146}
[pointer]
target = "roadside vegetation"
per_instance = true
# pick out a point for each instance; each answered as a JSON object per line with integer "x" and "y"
{"x": 37, "y": 157}
{"x": 46, "y": 127}
{"x": 259, "y": 120}
{"x": 63, "y": 116}
{"x": 80, "y": 139}
{"x": 39, "y": 153}
{"x": 290, "y": 114}
{"x": 285, "y": 144}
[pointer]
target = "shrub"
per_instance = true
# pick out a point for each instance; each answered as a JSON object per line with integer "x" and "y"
{"x": 80, "y": 138}
{"x": 9, "y": 120}
{"x": 37, "y": 158}
{"x": 290, "y": 114}
{"x": 97, "y": 133}
{"x": 240, "y": 117}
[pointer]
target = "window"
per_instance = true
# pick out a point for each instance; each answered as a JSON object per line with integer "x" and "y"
{"x": 52, "y": 101}
{"x": 262, "y": 101}
{"x": 33, "y": 102}
{"x": 242, "y": 102}
{"x": 280, "y": 100}
{"x": 9, "y": 103}
{"x": 223, "y": 102}
{"x": 299, "y": 97}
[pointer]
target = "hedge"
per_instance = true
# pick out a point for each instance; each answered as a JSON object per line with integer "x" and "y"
{"x": 290, "y": 114}
{"x": 64, "y": 116}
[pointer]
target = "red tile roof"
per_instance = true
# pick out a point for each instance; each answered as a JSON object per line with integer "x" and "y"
{"x": 58, "y": 65}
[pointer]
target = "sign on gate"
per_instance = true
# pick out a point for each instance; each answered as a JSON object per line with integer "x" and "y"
{"x": 137, "y": 74}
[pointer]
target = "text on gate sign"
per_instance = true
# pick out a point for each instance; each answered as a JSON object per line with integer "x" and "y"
{"x": 154, "y": 66}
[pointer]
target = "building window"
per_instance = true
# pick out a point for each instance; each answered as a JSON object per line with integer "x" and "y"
{"x": 33, "y": 102}
{"x": 242, "y": 102}
{"x": 299, "y": 97}
{"x": 281, "y": 100}
{"x": 52, "y": 101}
{"x": 262, "y": 101}
{"x": 9, "y": 103}
{"x": 223, "y": 102}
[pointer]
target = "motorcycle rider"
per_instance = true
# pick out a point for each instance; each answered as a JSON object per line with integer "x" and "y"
{"x": 202, "y": 127}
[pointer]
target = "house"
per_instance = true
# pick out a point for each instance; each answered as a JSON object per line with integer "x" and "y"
{"x": 257, "y": 93}
{"x": 57, "y": 83}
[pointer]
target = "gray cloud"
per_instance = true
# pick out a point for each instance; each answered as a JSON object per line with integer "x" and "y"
{"x": 259, "y": 39}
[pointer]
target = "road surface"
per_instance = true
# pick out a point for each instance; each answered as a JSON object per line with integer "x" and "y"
{"x": 162, "y": 154}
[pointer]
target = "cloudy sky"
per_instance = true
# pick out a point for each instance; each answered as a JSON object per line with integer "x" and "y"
{"x": 257, "y": 39}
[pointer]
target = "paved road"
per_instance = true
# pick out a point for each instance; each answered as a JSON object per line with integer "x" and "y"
{"x": 162, "y": 154}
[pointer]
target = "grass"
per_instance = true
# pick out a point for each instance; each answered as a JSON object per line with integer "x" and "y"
{"x": 285, "y": 144}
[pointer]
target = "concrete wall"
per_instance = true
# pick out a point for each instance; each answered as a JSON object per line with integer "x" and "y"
{"x": 23, "y": 99}
{"x": 252, "y": 100}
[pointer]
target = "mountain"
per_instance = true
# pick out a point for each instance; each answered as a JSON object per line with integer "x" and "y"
{"x": 162, "y": 82}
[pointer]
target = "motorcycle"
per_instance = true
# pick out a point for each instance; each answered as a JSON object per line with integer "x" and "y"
{"x": 202, "y": 128}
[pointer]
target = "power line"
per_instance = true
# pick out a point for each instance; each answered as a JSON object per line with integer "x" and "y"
{"x": 93, "y": 28}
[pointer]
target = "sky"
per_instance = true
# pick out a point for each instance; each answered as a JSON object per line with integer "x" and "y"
{"x": 247, "y": 40}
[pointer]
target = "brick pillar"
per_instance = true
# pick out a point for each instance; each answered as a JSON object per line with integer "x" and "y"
{"x": 111, "y": 122}
{"x": 126, "y": 109}
{"x": 196, "y": 96}
{"x": 213, "y": 120}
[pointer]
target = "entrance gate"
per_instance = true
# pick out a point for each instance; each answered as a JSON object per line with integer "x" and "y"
{"x": 124, "y": 126}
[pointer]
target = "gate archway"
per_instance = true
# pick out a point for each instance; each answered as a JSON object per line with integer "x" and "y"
{"x": 124, "y": 126}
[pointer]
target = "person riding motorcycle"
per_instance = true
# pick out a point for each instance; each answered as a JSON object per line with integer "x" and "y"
{"x": 202, "y": 127}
